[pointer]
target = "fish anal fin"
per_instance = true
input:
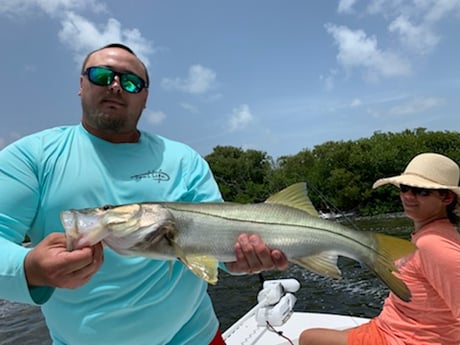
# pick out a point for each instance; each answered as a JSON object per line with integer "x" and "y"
{"x": 294, "y": 196}
{"x": 205, "y": 267}
{"x": 324, "y": 264}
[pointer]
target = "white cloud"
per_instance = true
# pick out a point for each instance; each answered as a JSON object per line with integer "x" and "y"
{"x": 438, "y": 9}
{"x": 429, "y": 11}
{"x": 82, "y": 36}
{"x": 417, "y": 106}
{"x": 381, "y": 6}
{"x": 412, "y": 28}
{"x": 357, "y": 50}
{"x": 53, "y": 8}
{"x": 189, "y": 107}
{"x": 78, "y": 33}
{"x": 420, "y": 39}
{"x": 155, "y": 117}
{"x": 199, "y": 81}
{"x": 240, "y": 118}
{"x": 414, "y": 22}
{"x": 345, "y": 6}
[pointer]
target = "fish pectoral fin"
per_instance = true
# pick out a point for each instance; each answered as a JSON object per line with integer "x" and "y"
{"x": 203, "y": 266}
{"x": 324, "y": 264}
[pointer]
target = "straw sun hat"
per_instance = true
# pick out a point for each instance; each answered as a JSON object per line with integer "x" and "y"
{"x": 427, "y": 170}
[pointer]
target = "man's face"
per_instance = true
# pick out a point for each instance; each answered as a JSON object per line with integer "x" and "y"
{"x": 110, "y": 108}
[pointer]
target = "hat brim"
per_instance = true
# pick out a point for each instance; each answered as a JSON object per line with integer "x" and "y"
{"x": 414, "y": 181}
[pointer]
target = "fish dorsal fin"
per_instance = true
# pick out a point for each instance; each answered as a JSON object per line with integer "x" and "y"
{"x": 294, "y": 196}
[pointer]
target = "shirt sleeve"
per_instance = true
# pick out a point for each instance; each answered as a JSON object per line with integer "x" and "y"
{"x": 19, "y": 199}
{"x": 440, "y": 258}
{"x": 201, "y": 184}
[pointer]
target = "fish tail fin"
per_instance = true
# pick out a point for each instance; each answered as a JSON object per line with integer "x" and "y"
{"x": 389, "y": 249}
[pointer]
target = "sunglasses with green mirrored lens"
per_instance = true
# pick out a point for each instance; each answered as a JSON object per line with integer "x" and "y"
{"x": 104, "y": 76}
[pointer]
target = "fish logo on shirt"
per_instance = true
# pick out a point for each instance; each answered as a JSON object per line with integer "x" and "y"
{"x": 156, "y": 175}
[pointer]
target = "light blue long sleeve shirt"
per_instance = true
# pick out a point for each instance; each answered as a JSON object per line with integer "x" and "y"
{"x": 130, "y": 300}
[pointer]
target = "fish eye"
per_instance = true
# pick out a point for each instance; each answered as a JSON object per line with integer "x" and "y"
{"x": 106, "y": 207}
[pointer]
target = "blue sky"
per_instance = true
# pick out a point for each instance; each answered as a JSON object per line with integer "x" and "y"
{"x": 272, "y": 75}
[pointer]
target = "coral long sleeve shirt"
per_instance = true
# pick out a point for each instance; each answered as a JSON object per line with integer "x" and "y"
{"x": 432, "y": 274}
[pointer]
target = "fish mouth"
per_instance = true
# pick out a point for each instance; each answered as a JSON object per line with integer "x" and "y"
{"x": 68, "y": 220}
{"x": 81, "y": 230}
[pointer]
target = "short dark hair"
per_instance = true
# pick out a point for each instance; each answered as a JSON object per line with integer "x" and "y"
{"x": 121, "y": 46}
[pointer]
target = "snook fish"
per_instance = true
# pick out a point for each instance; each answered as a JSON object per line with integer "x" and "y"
{"x": 201, "y": 235}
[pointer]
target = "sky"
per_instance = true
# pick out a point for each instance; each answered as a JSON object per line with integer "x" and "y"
{"x": 277, "y": 76}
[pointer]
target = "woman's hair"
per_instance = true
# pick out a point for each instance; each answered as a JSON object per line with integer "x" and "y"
{"x": 451, "y": 214}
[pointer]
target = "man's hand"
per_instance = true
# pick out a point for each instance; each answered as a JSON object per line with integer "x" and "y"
{"x": 253, "y": 256}
{"x": 50, "y": 264}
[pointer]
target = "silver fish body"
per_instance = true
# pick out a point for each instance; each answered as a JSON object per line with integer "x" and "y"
{"x": 212, "y": 229}
{"x": 203, "y": 234}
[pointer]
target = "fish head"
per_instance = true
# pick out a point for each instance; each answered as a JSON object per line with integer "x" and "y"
{"x": 86, "y": 227}
{"x": 127, "y": 229}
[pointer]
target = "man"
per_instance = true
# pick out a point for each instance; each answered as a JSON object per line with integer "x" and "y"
{"x": 92, "y": 295}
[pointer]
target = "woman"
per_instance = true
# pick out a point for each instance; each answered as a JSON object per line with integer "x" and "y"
{"x": 429, "y": 194}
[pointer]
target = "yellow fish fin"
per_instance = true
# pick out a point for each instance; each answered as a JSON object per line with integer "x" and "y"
{"x": 394, "y": 247}
{"x": 391, "y": 248}
{"x": 294, "y": 196}
{"x": 204, "y": 267}
{"x": 324, "y": 264}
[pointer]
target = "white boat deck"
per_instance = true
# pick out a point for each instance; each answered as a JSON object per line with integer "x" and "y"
{"x": 253, "y": 328}
{"x": 247, "y": 332}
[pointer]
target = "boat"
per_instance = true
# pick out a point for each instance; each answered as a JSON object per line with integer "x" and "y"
{"x": 273, "y": 321}
{"x": 335, "y": 215}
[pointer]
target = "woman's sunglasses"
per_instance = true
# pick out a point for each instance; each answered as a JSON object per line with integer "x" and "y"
{"x": 104, "y": 76}
{"x": 415, "y": 190}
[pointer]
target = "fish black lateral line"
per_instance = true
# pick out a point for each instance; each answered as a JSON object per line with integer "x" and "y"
{"x": 201, "y": 235}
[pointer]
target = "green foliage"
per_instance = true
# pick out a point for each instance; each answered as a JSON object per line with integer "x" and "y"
{"x": 242, "y": 176}
{"x": 339, "y": 173}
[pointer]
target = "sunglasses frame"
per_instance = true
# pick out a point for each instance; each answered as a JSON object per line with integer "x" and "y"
{"x": 123, "y": 78}
{"x": 416, "y": 190}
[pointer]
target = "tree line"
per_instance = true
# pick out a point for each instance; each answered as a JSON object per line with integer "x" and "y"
{"x": 339, "y": 174}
